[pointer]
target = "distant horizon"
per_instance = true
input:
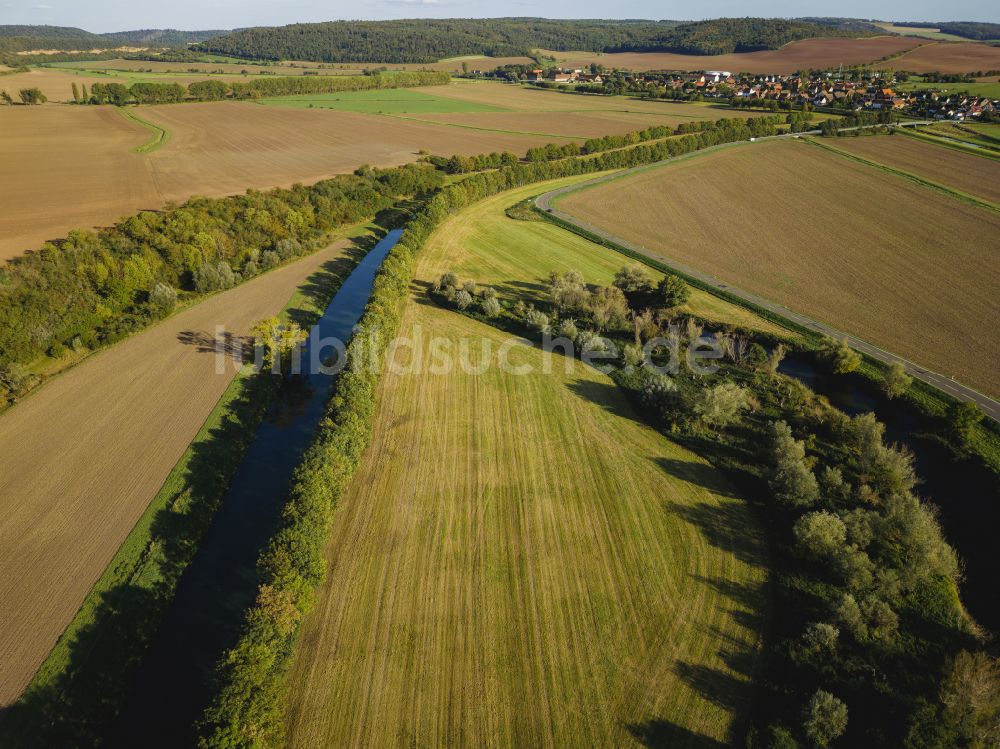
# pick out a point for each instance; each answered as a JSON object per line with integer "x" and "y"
{"x": 109, "y": 16}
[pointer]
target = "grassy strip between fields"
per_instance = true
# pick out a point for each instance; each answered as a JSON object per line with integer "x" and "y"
{"x": 930, "y": 400}
{"x": 122, "y": 610}
{"x": 951, "y": 192}
{"x": 931, "y": 137}
{"x": 160, "y": 134}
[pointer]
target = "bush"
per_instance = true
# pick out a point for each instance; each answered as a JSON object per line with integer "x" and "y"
{"x": 672, "y": 291}
{"x": 163, "y": 298}
{"x": 537, "y": 321}
{"x": 840, "y": 357}
{"x": 463, "y": 299}
{"x": 721, "y": 405}
{"x": 490, "y": 306}
{"x": 896, "y": 381}
{"x": 820, "y": 533}
{"x": 825, "y": 718}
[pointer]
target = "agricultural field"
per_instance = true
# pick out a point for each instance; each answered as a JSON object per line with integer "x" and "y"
{"x": 76, "y": 480}
{"x": 935, "y": 34}
{"x": 520, "y": 561}
{"x": 381, "y": 101}
{"x": 950, "y": 57}
{"x": 967, "y": 173}
{"x": 869, "y": 252}
{"x": 76, "y": 166}
{"x": 808, "y": 53}
{"x": 982, "y": 87}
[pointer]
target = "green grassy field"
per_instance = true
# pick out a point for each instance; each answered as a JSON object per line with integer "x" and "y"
{"x": 520, "y": 561}
{"x": 387, "y": 101}
{"x": 159, "y": 136}
{"x": 985, "y": 88}
{"x": 517, "y": 256}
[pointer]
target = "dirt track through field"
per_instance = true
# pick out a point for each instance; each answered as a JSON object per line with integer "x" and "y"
{"x": 84, "y": 456}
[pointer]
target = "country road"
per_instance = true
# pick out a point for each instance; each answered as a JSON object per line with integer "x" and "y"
{"x": 946, "y": 384}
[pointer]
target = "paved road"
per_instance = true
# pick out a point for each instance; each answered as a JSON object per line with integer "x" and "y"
{"x": 946, "y": 384}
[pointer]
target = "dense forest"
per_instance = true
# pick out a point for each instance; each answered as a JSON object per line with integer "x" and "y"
{"x": 964, "y": 29}
{"x": 423, "y": 41}
{"x": 25, "y": 38}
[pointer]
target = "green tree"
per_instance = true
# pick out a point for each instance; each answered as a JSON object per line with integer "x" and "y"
{"x": 825, "y": 718}
{"x": 820, "y": 533}
{"x": 840, "y": 357}
{"x": 277, "y": 341}
{"x": 76, "y": 93}
{"x": 672, "y": 291}
{"x": 963, "y": 417}
{"x": 721, "y": 405}
{"x": 5, "y": 98}
{"x": 896, "y": 381}
{"x": 791, "y": 479}
{"x": 970, "y": 693}
{"x": 32, "y": 95}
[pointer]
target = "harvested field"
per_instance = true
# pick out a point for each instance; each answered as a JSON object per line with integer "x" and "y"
{"x": 519, "y": 561}
{"x": 491, "y": 248}
{"x": 84, "y": 456}
{"x": 578, "y": 125}
{"x": 74, "y": 166}
{"x": 75, "y": 170}
{"x": 808, "y": 53}
{"x": 57, "y": 85}
{"x": 862, "y": 250}
{"x": 225, "y": 147}
{"x": 973, "y": 175}
{"x": 951, "y": 57}
{"x": 65, "y": 168}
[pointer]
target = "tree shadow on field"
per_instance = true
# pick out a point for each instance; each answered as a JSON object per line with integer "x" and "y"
{"x": 78, "y": 704}
{"x": 662, "y": 734}
{"x": 607, "y": 395}
{"x": 237, "y": 348}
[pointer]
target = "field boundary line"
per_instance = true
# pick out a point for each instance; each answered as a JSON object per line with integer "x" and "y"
{"x": 775, "y": 312}
{"x": 931, "y": 137}
{"x": 160, "y": 134}
{"x": 923, "y": 181}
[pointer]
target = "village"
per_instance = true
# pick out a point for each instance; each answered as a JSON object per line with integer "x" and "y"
{"x": 851, "y": 90}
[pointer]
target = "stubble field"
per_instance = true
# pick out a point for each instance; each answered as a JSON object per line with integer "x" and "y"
{"x": 968, "y": 173}
{"x": 950, "y": 57}
{"x": 72, "y": 167}
{"x": 84, "y": 456}
{"x": 896, "y": 263}
{"x": 521, "y": 561}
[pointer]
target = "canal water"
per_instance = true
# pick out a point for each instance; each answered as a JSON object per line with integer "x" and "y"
{"x": 171, "y": 687}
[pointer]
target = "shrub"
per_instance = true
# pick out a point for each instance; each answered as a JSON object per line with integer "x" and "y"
{"x": 537, "y": 321}
{"x": 490, "y": 306}
{"x": 820, "y": 533}
{"x": 791, "y": 480}
{"x": 825, "y": 718}
{"x": 631, "y": 279}
{"x": 463, "y": 299}
{"x": 721, "y": 405}
{"x": 840, "y": 357}
{"x": 163, "y": 298}
{"x": 568, "y": 329}
{"x": 672, "y": 291}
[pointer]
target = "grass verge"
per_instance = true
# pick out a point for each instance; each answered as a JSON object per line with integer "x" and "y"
{"x": 160, "y": 135}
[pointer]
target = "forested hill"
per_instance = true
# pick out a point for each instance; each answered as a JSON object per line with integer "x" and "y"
{"x": 67, "y": 38}
{"x": 965, "y": 29}
{"x": 423, "y": 41}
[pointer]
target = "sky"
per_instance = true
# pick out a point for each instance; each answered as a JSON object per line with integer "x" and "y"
{"x": 124, "y": 15}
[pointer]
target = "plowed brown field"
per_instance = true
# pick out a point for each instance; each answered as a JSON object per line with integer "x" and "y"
{"x": 65, "y": 168}
{"x": 84, "y": 456}
{"x": 964, "y": 172}
{"x": 808, "y": 53}
{"x": 893, "y": 262}
{"x": 957, "y": 57}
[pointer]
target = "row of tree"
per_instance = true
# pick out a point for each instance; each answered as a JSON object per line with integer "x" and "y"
{"x": 95, "y": 287}
{"x": 216, "y": 90}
